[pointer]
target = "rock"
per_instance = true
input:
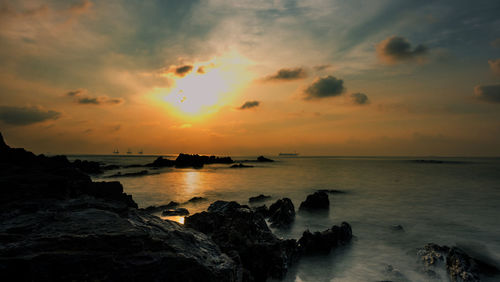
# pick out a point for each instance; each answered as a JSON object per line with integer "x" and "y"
{"x": 195, "y": 200}
{"x": 58, "y": 225}
{"x": 161, "y": 162}
{"x": 397, "y": 227}
{"x": 262, "y": 210}
{"x": 282, "y": 213}
{"x": 316, "y": 201}
{"x": 331, "y": 191}
{"x": 459, "y": 265}
{"x": 263, "y": 159}
{"x": 153, "y": 209}
{"x": 89, "y": 167}
{"x": 323, "y": 242}
{"x": 244, "y": 234}
{"x": 130, "y": 174}
{"x": 175, "y": 212}
{"x": 258, "y": 198}
{"x": 197, "y": 161}
{"x": 240, "y": 165}
{"x": 110, "y": 167}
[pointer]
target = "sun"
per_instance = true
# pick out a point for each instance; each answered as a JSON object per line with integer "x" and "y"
{"x": 207, "y": 87}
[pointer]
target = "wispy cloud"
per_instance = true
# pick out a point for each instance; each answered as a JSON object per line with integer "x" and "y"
{"x": 249, "y": 105}
{"x": 287, "y": 75}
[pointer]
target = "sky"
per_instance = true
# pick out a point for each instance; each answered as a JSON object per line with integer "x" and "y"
{"x": 332, "y": 77}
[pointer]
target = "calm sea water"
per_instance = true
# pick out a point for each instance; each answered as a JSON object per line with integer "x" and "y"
{"x": 446, "y": 203}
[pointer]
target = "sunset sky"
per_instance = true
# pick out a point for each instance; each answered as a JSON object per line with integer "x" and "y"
{"x": 252, "y": 77}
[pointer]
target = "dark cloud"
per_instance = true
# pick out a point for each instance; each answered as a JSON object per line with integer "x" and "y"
{"x": 397, "y": 49}
{"x": 26, "y": 115}
{"x": 488, "y": 93}
{"x": 324, "y": 87}
{"x": 249, "y": 105}
{"x": 81, "y": 97}
{"x": 496, "y": 43}
{"x": 495, "y": 66}
{"x": 287, "y": 75}
{"x": 360, "y": 98}
{"x": 322, "y": 67}
{"x": 183, "y": 70}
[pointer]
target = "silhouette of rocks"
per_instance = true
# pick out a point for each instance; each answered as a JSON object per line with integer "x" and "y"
{"x": 332, "y": 191}
{"x": 262, "y": 210}
{"x": 323, "y": 242}
{"x": 244, "y": 234}
{"x": 197, "y": 161}
{"x": 195, "y": 200}
{"x": 175, "y": 212}
{"x": 263, "y": 159}
{"x": 258, "y": 198}
{"x": 240, "y": 165}
{"x": 316, "y": 201}
{"x": 58, "y": 225}
{"x": 161, "y": 162}
{"x": 154, "y": 209}
{"x": 459, "y": 265}
{"x": 281, "y": 213}
{"x": 130, "y": 174}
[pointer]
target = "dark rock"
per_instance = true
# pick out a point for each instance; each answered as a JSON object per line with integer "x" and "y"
{"x": 243, "y": 233}
{"x": 316, "y": 201}
{"x": 263, "y": 159}
{"x": 58, "y": 225}
{"x": 397, "y": 227}
{"x": 459, "y": 265}
{"x": 240, "y": 165}
{"x": 282, "y": 213}
{"x": 258, "y": 198}
{"x": 195, "y": 200}
{"x": 154, "y": 209}
{"x": 88, "y": 166}
{"x": 110, "y": 167}
{"x": 161, "y": 162}
{"x": 197, "y": 161}
{"x": 323, "y": 242}
{"x": 263, "y": 210}
{"x": 332, "y": 191}
{"x": 130, "y": 174}
{"x": 175, "y": 212}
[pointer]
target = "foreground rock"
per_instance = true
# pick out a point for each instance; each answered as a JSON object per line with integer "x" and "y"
{"x": 244, "y": 235}
{"x": 317, "y": 201}
{"x": 58, "y": 225}
{"x": 281, "y": 213}
{"x": 324, "y": 242}
{"x": 458, "y": 264}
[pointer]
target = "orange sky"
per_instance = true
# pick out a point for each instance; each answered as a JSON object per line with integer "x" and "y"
{"x": 246, "y": 78}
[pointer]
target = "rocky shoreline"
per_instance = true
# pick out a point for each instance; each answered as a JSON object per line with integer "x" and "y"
{"x": 59, "y": 225}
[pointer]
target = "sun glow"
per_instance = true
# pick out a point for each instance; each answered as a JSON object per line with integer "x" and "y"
{"x": 207, "y": 87}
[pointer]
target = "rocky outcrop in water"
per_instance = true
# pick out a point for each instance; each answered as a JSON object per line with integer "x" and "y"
{"x": 58, "y": 225}
{"x": 187, "y": 160}
{"x": 458, "y": 264}
{"x": 324, "y": 242}
{"x": 258, "y": 198}
{"x": 263, "y": 159}
{"x": 240, "y": 165}
{"x": 175, "y": 212}
{"x": 244, "y": 235}
{"x": 317, "y": 201}
{"x": 281, "y": 213}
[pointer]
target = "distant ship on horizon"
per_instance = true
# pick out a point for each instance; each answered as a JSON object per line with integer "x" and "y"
{"x": 115, "y": 151}
{"x": 288, "y": 154}
{"x": 140, "y": 152}
{"x": 129, "y": 151}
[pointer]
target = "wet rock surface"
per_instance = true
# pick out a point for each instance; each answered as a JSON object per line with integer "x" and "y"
{"x": 323, "y": 242}
{"x": 316, "y": 201}
{"x": 281, "y": 213}
{"x": 58, "y": 225}
{"x": 458, "y": 264}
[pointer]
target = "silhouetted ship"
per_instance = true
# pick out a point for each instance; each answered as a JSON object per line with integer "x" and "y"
{"x": 129, "y": 152}
{"x": 115, "y": 151}
{"x": 140, "y": 152}
{"x": 288, "y": 154}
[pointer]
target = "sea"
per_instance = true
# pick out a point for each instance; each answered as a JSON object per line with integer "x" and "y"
{"x": 394, "y": 205}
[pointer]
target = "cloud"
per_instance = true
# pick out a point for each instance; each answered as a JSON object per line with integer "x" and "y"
{"x": 360, "y": 98}
{"x": 488, "y": 93}
{"x": 26, "y": 115}
{"x": 496, "y": 43}
{"x": 287, "y": 75}
{"x": 249, "y": 105}
{"x": 324, "y": 87}
{"x": 81, "y": 97}
{"x": 495, "y": 66}
{"x": 322, "y": 67}
{"x": 396, "y": 49}
{"x": 183, "y": 70}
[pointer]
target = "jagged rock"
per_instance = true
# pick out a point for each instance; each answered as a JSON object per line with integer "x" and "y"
{"x": 154, "y": 209}
{"x": 459, "y": 265}
{"x": 240, "y": 165}
{"x": 263, "y": 159}
{"x": 331, "y": 191}
{"x": 244, "y": 233}
{"x": 161, "y": 162}
{"x": 175, "y": 212}
{"x": 58, "y": 225}
{"x": 323, "y": 242}
{"x": 316, "y": 201}
{"x": 195, "y": 200}
{"x": 197, "y": 161}
{"x": 262, "y": 210}
{"x": 281, "y": 213}
{"x": 258, "y": 198}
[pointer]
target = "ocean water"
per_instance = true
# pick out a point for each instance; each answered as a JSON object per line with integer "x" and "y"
{"x": 455, "y": 203}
